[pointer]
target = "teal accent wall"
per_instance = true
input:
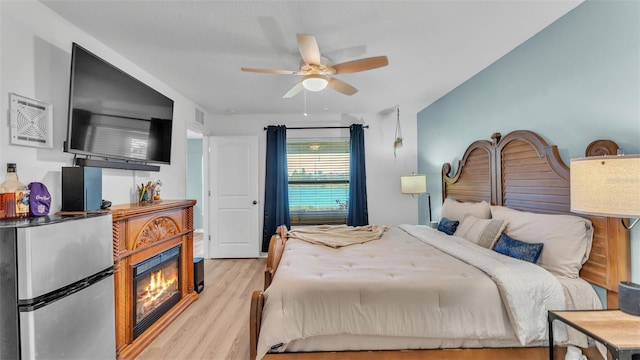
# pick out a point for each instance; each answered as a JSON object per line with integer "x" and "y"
{"x": 194, "y": 179}
{"x": 576, "y": 81}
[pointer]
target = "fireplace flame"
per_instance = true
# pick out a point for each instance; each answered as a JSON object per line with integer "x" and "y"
{"x": 158, "y": 286}
{"x": 156, "y": 292}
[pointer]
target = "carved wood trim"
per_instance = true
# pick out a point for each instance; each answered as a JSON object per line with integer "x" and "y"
{"x": 530, "y": 174}
{"x": 130, "y": 210}
{"x": 119, "y": 245}
{"x": 157, "y": 229}
{"x": 471, "y": 184}
{"x": 189, "y": 218}
{"x": 601, "y": 148}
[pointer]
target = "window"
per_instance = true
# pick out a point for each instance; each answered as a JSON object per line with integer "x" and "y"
{"x": 318, "y": 181}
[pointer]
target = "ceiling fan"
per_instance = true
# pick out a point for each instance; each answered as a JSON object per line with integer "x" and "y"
{"x": 316, "y": 75}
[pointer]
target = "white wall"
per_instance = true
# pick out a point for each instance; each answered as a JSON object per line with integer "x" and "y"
{"x": 35, "y": 61}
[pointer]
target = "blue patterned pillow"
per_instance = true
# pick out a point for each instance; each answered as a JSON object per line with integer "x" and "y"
{"x": 448, "y": 226}
{"x": 518, "y": 249}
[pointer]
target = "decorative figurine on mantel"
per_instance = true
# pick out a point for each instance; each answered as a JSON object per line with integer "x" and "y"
{"x": 156, "y": 190}
{"x": 150, "y": 192}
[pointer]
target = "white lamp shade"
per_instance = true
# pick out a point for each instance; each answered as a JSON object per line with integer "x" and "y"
{"x": 413, "y": 184}
{"x": 315, "y": 82}
{"x": 606, "y": 185}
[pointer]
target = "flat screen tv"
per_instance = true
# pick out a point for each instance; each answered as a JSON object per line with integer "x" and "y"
{"x": 115, "y": 117}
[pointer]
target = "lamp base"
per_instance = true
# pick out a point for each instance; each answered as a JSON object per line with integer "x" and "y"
{"x": 629, "y": 297}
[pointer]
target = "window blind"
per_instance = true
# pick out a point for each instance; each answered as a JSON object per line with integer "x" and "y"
{"x": 318, "y": 181}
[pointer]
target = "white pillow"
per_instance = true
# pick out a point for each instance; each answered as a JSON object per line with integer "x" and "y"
{"x": 455, "y": 210}
{"x": 484, "y": 232}
{"x": 567, "y": 239}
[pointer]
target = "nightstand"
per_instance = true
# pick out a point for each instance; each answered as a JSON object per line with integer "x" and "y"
{"x": 617, "y": 330}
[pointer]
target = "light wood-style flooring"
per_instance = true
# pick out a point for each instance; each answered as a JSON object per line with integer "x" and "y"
{"x": 217, "y": 325}
{"x": 198, "y": 244}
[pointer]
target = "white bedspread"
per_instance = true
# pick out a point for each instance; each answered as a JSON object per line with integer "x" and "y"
{"x": 399, "y": 286}
{"x": 527, "y": 290}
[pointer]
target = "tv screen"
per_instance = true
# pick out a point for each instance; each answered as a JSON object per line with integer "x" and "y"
{"x": 114, "y": 116}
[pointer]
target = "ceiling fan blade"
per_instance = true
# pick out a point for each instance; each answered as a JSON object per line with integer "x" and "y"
{"x": 337, "y": 55}
{"x": 341, "y": 86}
{"x": 361, "y": 64}
{"x": 270, "y": 71}
{"x": 293, "y": 91}
{"x": 309, "y": 49}
{"x": 273, "y": 33}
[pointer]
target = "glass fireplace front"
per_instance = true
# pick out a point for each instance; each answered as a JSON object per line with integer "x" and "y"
{"x": 156, "y": 286}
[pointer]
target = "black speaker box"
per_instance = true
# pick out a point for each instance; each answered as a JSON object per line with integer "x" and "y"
{"x": 81, "y": 188}
{"x": 198, "y": 274}
{"x": 629, "y": 297}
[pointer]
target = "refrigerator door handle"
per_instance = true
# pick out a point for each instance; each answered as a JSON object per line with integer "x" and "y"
{"x": 40, "y": 301}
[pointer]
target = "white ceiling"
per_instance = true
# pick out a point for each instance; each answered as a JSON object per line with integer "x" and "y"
{"x": 198, "y": 47}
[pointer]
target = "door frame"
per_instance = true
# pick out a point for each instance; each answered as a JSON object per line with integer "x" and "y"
{"x": 206, "y": 237}
{"x": 205, "y": 190}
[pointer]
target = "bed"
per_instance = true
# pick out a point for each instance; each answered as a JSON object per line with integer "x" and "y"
{"x": 508, "y": 177}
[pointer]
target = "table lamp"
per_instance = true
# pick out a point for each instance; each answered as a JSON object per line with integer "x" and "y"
{"x": 415, "y": 184}
{"x": 610, "y": 186}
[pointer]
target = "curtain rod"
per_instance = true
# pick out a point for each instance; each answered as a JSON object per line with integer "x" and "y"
{"x": 321, "y": 127}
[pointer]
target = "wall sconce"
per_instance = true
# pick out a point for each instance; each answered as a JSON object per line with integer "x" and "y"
{"x": 415, "y": 184}
{"x": 610, "y": 186}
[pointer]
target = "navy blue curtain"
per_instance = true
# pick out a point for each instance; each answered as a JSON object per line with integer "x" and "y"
{"x": 358, "y": 213}
{"x": 276, "y": 187}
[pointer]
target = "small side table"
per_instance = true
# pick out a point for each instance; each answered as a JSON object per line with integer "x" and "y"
{"x": 615, "y": 329}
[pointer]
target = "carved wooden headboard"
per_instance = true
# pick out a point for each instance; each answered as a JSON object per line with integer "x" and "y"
{"x": 521, "y": 171}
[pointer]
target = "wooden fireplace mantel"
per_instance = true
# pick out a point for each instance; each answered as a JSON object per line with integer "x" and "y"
{"x": 139, "y": 232}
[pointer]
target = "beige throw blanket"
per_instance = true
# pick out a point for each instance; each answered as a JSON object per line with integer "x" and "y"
{"x": 336, "y": 236}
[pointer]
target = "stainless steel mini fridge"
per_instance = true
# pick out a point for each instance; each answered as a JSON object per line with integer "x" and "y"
{"x": 56, "y": 288}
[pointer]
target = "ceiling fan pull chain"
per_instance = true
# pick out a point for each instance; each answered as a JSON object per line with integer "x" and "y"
{"x": 305, "y": 102}
{"x": 326, "y": 106}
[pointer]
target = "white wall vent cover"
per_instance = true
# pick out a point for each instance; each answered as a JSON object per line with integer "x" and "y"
{"x": 199, "y": 116}
{"x": 31, "y": 122}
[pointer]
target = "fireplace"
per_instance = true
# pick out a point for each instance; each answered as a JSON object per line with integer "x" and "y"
{"x": 156, "y": 288}
{"x": 152, "y": 243}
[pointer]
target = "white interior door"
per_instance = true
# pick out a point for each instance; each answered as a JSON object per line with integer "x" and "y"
{"x": 233, "y": 188}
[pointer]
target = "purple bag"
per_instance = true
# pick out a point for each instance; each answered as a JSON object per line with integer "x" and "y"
{"x": 39, "y": 199}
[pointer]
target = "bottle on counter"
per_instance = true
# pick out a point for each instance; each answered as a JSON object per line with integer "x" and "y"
{"x": 14, "y": 196}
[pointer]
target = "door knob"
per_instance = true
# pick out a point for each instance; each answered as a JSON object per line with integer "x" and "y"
{"x": 254, "y": 202}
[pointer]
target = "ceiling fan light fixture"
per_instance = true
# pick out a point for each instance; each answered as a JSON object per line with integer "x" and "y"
{"x": 315, "y": 82}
